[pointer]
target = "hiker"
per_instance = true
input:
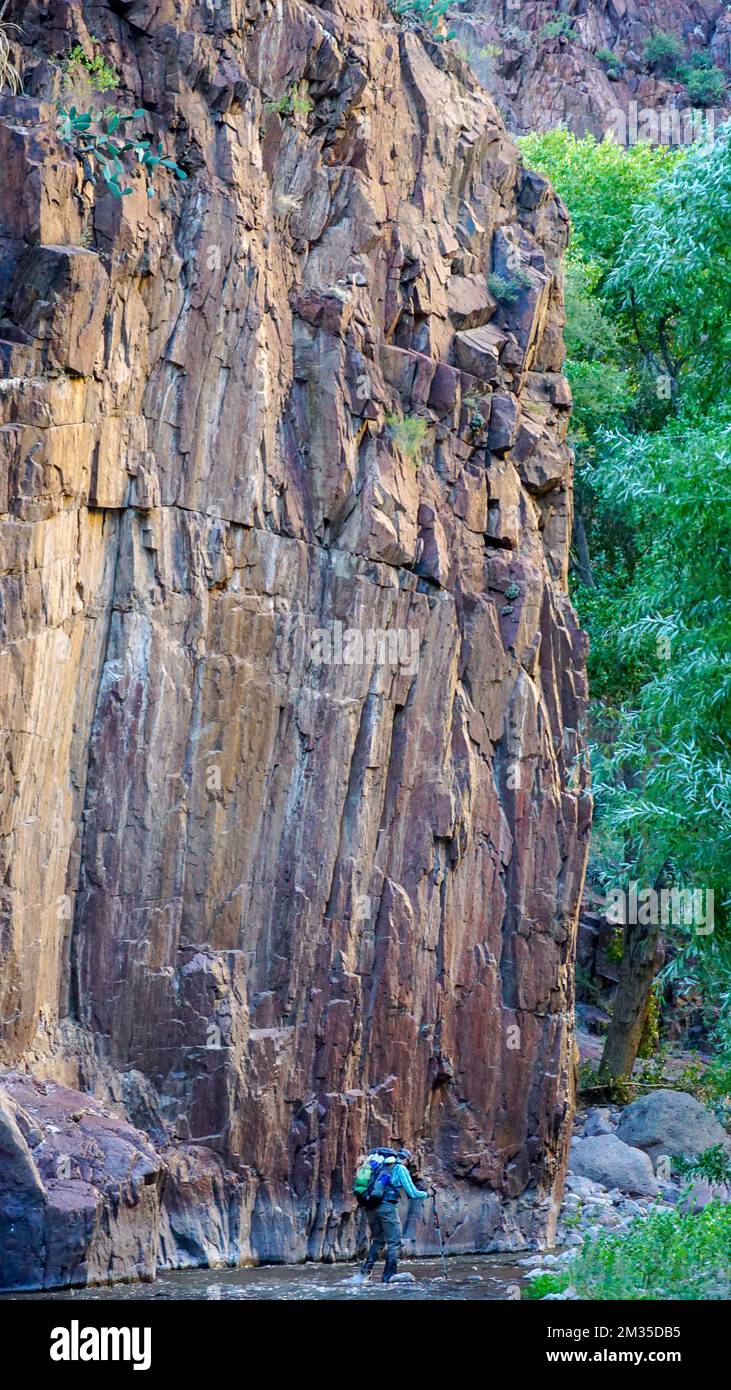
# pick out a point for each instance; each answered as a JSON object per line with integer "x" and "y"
{"x": 380, "y": 1180}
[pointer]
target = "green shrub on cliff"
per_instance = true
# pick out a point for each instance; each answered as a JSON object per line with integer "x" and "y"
{"x": 663, "y": 52}
{"x": 612, "y": 63}
{"x": 430, "y": 12}
{"x": 705, "y": 86}
{"x": 509, "y": 288}
{"x": 560, "y": 27}
{"x": 100, "y": 142}
{"x": 96, "y": 73}
{"x": 506, "y": 289}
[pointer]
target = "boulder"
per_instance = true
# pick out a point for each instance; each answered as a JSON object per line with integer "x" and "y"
{"x": 672, "y": 1123}
{"x": 598, "y": 1121}
{"x": 23, "y": 1202}
{"x": 79, "y": 1189}
{"x": 477, "y": 350}
{"x": 606, "y": 1159}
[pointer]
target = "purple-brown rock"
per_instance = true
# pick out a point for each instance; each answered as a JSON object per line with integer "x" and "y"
{"x": 293, "y": 818}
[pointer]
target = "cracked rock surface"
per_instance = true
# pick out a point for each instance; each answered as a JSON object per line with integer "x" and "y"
{"x": 293, "y": 813}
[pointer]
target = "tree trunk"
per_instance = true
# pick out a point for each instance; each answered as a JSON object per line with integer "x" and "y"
{"x": 637, "y": 970}
{"x": 582, "y": 551}
{"x": 636, "y": 974}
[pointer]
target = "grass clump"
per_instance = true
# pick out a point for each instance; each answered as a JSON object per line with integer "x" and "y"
{"x": 293, "y": 102}
{"x": 9, "y": 74}
{"x": 409, "y": 435}
{"x": 613, "y": 65}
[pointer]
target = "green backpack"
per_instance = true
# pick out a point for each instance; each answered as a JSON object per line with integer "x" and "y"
{"x": 371, "y": 1181}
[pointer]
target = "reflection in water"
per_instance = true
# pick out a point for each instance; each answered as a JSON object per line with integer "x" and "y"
{"x": 470, "y": 1277}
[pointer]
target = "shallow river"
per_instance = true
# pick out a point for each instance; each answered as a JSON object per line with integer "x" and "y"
{"x": 469, "y": 1277}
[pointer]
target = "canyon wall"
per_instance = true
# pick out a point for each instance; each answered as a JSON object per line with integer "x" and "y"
{"x": 294, "y": 810}
{"x": 541, "y": 79}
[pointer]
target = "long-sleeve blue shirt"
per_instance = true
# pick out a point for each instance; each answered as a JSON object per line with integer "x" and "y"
{"x": 401, "y": 1181}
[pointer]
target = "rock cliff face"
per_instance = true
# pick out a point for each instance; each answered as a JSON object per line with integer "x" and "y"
{"x": 293, "y": 810}
{"x": 543, "y": 79}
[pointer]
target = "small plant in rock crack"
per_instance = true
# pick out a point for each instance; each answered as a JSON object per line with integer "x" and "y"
{"x": 83, "y": 77}
{"x": 100, "y": 141}
{"x": 291, "y": 103}
{"x": 560, "y": 27}
{"x": 613, "y": 66}
{"x": 507, "y": 288}
{"x": 429, "y": 12}
{"x": 409, "y": 435}
{"x": 9, "y": 74}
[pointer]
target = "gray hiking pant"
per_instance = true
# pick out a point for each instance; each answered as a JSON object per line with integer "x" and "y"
{"x": 385, "y": 1229}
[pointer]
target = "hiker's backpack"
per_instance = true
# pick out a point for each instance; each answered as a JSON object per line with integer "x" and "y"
{"x": 373, "y": 1177}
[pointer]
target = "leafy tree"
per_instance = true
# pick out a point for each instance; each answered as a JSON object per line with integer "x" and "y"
{"x": 672, "y": 276}
{"x": 648, "y": 297}
{"x": 600, "y": 182}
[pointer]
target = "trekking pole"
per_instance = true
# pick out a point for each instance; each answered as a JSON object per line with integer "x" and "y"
{"x": 439, "y": 1232}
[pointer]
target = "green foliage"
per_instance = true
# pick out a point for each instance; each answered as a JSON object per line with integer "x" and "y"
{"x": 100, "y": 74}
{"x": 430, "y": 12}
{"x": 713, "y": 1165}
{"x": 99, "y": 141}
{"x": 710, "y": 1082}
{"x": 648, "y": 299}
{"x": 665, "y": 1255}
{"x": 649, "y": 1049}
{"x": 560, "y": 27}
{"x": 593, "y": 1085}
{"x": 508, "y": 288}
{"x": 705, "y": 86}
{"x": 673, "y": 269}
{"x": 600, "y": 182}
{"x": 664, "y": 632}
{"x": 409, "y": 435}
{"x": 291, "y": 103}
{"x": 612, "y": 63}
{"x": 663, "y": 52}
{"x": 9, "y": 74}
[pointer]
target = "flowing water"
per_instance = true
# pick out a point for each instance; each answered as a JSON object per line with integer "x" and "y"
{"x": 469, "y": 1278}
